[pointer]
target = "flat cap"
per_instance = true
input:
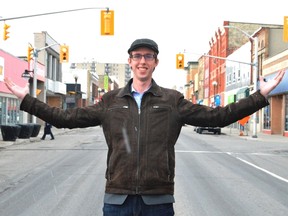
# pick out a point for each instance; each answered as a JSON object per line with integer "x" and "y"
{"x": 144, "y": 42}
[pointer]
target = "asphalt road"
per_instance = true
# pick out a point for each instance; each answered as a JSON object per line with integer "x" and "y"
{"x": 216, "y": 175}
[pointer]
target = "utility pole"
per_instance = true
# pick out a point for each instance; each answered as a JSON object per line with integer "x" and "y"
{"x": 255, "y": 72}
{"x": 35, "y": 55}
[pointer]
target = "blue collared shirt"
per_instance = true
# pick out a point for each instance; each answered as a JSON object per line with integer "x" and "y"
{"x": 138, "y": 96}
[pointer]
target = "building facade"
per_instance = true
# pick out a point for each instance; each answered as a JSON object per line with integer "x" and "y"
{"x": 275, "y": 116}
{"x": 13, "y": 67}
{"x": 228, "y": 71}
{"x": 53, "y": 90}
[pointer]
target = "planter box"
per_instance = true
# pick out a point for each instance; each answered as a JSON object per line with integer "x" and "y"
{"x": 26, "y": 131}
{"x": 36, "y": 129}
{"x": 10, "y": 132}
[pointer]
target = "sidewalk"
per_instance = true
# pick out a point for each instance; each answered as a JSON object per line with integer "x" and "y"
{"x": 260, "y": 136}
{"x": 55, "y": 131}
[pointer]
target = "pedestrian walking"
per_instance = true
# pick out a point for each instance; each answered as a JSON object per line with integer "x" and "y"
{"x": 141, "y": 123}
{"x": 47, "y": 130}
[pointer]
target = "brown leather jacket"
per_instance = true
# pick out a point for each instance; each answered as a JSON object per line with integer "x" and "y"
{"x": 141, "y": 157}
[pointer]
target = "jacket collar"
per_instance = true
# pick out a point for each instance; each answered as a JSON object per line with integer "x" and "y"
{"x": 126, "y": 91}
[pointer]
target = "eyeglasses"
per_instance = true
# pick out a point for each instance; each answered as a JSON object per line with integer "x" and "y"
{"x": 147, "y": 57}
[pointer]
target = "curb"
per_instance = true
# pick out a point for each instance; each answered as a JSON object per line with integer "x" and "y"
{"x": 18, "y": 141}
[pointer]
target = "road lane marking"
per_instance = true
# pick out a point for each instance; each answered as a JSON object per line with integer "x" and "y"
{"x": 206, "y": 152}
{"x": 261, "y": 169}
{"x": 244, "y": 161}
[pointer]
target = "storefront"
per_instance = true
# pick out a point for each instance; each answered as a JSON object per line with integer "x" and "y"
{"x": 275, "y": 116}
{"x": 13, "y": 67}
{"x": 9, "y": 110}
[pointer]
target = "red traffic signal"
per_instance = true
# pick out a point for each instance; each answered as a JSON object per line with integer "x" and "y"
{"x": 64, "y": 53}
{"x": 285, "y": 29}
{"x": 5, "y": 33}
{"x": 107, "y": 22}
{"x": 180, "y": 61}
{"x": 29, "y": 53}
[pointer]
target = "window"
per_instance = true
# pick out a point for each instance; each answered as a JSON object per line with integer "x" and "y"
{"x": 9, "y": 111}
{"x": 267, "y": 116}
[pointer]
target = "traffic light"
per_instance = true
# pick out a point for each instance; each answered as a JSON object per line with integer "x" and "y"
{"x": 5, "y": 33}
{"x": 64, "y": 53}
{"x": 285, "y": 29}
{"x": 107, "y": 22}
{"x": 29, "y": 54}
{"x": 180, "y": 61}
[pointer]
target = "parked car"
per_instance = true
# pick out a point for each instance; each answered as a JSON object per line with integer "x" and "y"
{"x": 215, "y": 130}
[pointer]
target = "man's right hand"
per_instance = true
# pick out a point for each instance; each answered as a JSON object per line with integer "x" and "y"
{"x": 18, "y": 91}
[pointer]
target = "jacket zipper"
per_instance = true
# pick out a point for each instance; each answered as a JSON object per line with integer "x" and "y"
{"x": 138, "y": 152}
{"x": 138, "y": 144}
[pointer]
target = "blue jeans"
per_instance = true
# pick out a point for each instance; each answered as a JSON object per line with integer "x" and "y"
{"x": 134, "y": 206}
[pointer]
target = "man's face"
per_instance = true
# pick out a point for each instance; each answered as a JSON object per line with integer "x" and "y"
{"x": 143, "y": 62}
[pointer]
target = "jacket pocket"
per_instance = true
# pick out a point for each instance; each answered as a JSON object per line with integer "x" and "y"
{"x": 116, "y": 133}
{"x": 116, "y": 119}
{"x": 158, "y": 167}
{"x": 159, "y": 122}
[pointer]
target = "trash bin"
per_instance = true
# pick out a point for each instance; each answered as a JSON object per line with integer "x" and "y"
{"x": 10, "y": 132}
{"x": 25, "y": 131}
{"x": 36, "y": 129}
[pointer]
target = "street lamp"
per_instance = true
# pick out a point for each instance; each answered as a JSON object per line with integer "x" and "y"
{"x": 26, "y": 74}
{"x": 255, "y": 76}
{"x": 214, "y": 83}
{"x": 34, "y": 92}
{"x": 75, "y": 78}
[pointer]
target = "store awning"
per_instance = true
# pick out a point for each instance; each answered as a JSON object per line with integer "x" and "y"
{"x": 242, "y": 93}
{"x": 282, "y": 87}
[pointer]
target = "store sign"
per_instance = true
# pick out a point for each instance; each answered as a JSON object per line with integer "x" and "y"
{"x": 106, "y": 80}
{"x": 217, "y": 100}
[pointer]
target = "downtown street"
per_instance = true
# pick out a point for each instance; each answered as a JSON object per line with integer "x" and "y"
{"x": 216, "y": 175}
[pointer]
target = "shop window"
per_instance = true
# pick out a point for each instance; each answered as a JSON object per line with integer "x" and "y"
{"x": 9, "y": 111}
{"x": 267, "y": 117}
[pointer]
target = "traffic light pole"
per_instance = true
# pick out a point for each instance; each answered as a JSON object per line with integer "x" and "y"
{"x": 34, "y": 94}
{"x": 35, "y": 55}
{"x": 217, "y": 57}
{"x": 255, "y": 78}
{"x": 255, "y": 70}
{"x": 50, "y": 13}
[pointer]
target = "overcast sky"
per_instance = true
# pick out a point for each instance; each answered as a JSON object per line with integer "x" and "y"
{"x": 175, "y": 25}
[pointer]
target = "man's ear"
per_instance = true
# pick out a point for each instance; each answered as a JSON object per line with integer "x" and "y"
{"x": 157, "y": 61}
